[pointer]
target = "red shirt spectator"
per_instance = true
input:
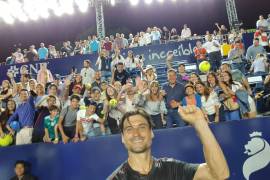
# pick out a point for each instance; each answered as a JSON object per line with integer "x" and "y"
{"x": 199, "y": 51}
{"x": 107, "y": 44}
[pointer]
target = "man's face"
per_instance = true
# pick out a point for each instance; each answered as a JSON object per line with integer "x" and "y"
{"x": 120, "y": 68}
{"x": 98, "y": 75}
{"x": 91, "y": 109}
{"x": 96, "y": 95}
{"x": 23, "y": 96}
{"x": 224, "y": 68}
{"x": 85, "y": 64}
{"x": 181, "y": 69}
{"x": 19, "y": 170}
{"x": 256, "y": 43}
{"x": 51, "y": 101}
{"x": 137, "y": 135}
{"x": 172, "y": 77}
{"x": 74, "y": 103}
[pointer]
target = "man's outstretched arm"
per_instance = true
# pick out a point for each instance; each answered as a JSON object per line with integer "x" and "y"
{"x": 216, "y": 167}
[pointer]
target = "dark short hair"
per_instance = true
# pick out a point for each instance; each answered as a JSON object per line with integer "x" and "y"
{"x": 181, "y": 64}
{"x": 53, "y": 108}
{"x": 51, "y": 96}
{"x": 138, "y": 111}
{"x": 24, "y": 90}
{"x": 75, "y": 97}
{"x": 52, "y": 85}
{"x": 22, "y": 162}
{"x": 171, "y": 70}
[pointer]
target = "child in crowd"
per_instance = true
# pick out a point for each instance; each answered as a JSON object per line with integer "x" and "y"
{"x": 51, "y": 125}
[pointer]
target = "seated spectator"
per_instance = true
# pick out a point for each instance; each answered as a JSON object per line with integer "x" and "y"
{"x": 51, "y": 126}
{"x": 186, "y": 32}
{"x": 21, "y": 172}
{"x": 135, "y": 42}
{"x": 89, "y": 124}
{"x": 262, "y": 23}
{"x": 254, "y": 49}
{"x": 44, "y": 75}
{"x": 87, "y": 73}
{"x": 67, "y": 119}
{"x": 117, "y": 57}
{"x": 210, "y": 102}
{"x": 156, "y": 36}
{"x": 4, "y": 116}
{"x": 120, "y": 74}
{"x": 131, "y": 65}
{"x": 212, "y": 82}
{"x": 263, "y": 38}
{"x": 148, "y": 73}
{"x": 43, "y": 52}
{"x": 191, "y": 97}
{"x": 25, "y": 114}
{"x": 78, "y": 82}
{"x": 259, "y": 65}
{"x": 125, "y": 41}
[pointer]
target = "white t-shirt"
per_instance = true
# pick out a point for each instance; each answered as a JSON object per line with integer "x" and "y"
{"x": 131, "y": 65}
{"x": 87, "y": 122}
{"x": 259, "y": 65}
{"x": 212, "y": 46}
{"x": 88, "y": 75}
{"x": 210, "y": 104}
{"x": 186, "y": 33}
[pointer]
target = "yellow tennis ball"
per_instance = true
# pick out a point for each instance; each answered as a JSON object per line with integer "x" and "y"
{"x": 204, "y": 66}
{"x": 6, "y": 140}
{"x": 113, "y": 102}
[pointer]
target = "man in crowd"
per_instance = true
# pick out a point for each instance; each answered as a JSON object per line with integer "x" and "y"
{"x": 87, "y": 73}
{"x": 25, "y": 115}
{"x": 120, "y": 74}
{"x": 254, "y": 49}
{"x": 137, "y": 135}
{"x": 21, "y": 172}
{"x": 43, "y": 52}
{"x": 186, "y": 32}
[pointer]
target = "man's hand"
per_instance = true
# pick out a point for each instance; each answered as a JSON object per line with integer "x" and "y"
{"x": 65, "y": 139}
{"x": 12, "y": 132}
{"x": 191, "y": 115}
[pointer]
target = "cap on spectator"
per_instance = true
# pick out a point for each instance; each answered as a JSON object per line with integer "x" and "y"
{"x": 90, "y": 102}
{"x": 148, "y": 67}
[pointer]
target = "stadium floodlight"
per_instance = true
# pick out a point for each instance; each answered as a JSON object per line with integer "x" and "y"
{"x": 148, "y": 2}
{"x": 161, "y": 1}
{"x": 30, "y": 9}
{"x": 67, "y": 6}
{"x": 5, "y": 13}
{"x": 113, "y": 2}
{"x": 134, "y": 2}
{"x": 82, "y": 5}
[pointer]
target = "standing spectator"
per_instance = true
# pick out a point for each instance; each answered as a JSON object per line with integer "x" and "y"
{"x": 268, "y": 21}
{"x": 11, "y": 59}
{"x": 186, "y": 32}
{"x": 118, "y": 42}
{"x": 259, "y": 65}
{"x": 147, "y": 36}
{"x": 78, "y": 82}
{"x": 65, "y": 50}
{"x": 125, "y": 41}
{"x": 104, "y": 64}
{"x": 191, "y": 98}
{"x": 21, "y": 172}
{"x": 254, "y": 49}
{"x": 165, "y": 34}
{"x": 44, "y": 75}
{"x": 263, "y": 38}
{"x": 43, "y": 52}
{"x": 236, "y": 56}
{"x": 222, "y": 30}
{"x": 131, "y": 64}
{"x": 95, "y": 45}
{"x": 200, "y": 53}
{"x": 262, "y": 23}
{"x": 25, "y": 114}
{"x": 210, "y": 102}
{"x": 52, "y": 52}
{"x": 87, "y": 73}
{"x": 156, "y": 36}
{"x": 225, "y": 49}
{"x": 107, "y": 44}
{"x": 148, "y": 73}
{"x": 174, "y": 93}
{"x": 18, "y": 56}
{"x": 97, "y": 80}
{"x": 120, "y": 74}
{"x": 155, "y": 106}
{"x": 31, "y": 55}
{"x": 174, "y": 36}
{"x": 135, "y": 42}
{"x": 67, "y": 119}
{"x": 5, "y": 93}
{"x": 51, "y": 125}
{"x": 213, "y": 49}
{"x": 4, "y": 116}
{"x": 78, "y": 48}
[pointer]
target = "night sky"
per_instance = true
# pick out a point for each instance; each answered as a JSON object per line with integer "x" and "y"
{"x": 200, "y": 15}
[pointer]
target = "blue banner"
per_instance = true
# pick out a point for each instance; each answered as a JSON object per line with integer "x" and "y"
{"x": 155, "y": 54}
{"x": 245, "y": 144}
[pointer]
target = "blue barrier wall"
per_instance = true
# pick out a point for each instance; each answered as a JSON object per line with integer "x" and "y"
{"x": 98, "y": 157}
{"x": 154, "y": 54}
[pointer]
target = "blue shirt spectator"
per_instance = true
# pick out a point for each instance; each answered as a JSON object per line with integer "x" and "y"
{"x": 42, "y": 52}
{"x": 95, "y": 45}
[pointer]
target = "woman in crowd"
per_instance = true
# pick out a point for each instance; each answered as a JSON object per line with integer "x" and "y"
{"x": 77, "y": 82}
{"x": 210, "y": 102}
{"x": 10, "y": 109}
{"x": 194, "y": 78}
{"x": 6, "y": 93}
{"x": 191, "y": 97}
{"x": 104, "y": 63}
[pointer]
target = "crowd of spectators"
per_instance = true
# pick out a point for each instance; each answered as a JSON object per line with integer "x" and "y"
{"x": 91, "y": 102}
